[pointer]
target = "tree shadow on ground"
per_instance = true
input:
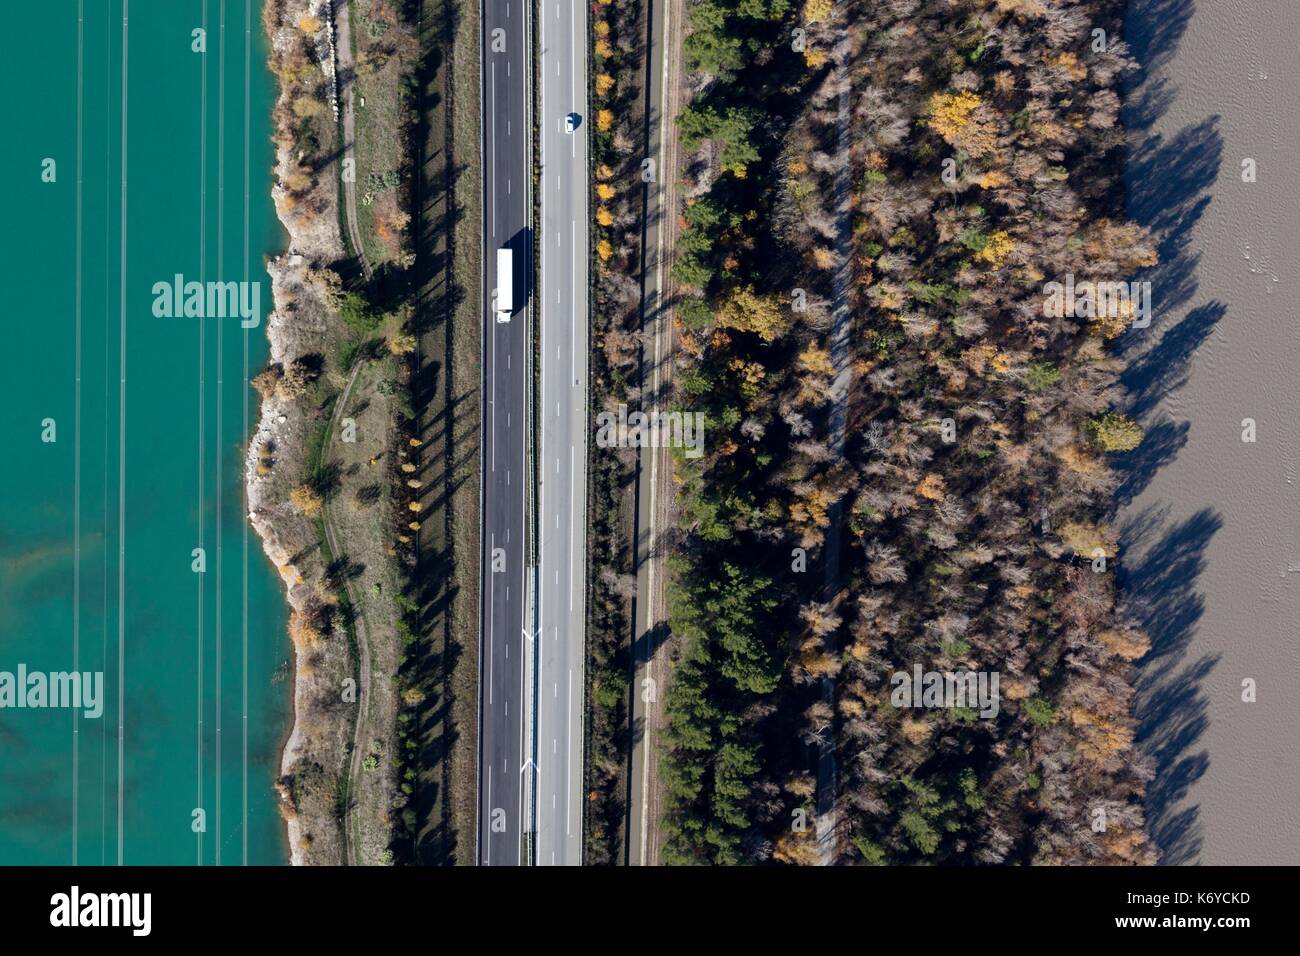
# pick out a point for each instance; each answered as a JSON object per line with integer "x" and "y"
{"x": 1167, "y": 180}
{"x": 1160, "y": 595}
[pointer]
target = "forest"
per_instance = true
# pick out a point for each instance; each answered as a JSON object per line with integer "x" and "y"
{"x": 909, "y": 456}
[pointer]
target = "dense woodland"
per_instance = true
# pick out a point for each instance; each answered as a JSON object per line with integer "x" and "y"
{"x": 931, "y": 164}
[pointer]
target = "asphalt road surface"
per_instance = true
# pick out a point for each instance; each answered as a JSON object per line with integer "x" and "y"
{"x": 505, "y": 482}
{"x": 562, "y": 455}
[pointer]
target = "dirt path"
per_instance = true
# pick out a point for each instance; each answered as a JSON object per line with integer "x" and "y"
{"x": 347, "y": 76}
{"x": 645, "y": 805}
{"x": 665, "y": 514}
{"x": 363, "y": 641}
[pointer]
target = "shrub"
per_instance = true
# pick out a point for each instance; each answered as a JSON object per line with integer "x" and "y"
{"x": 1115, "y": 432}
{"x": 1041, "y": 376}
{"x": 306, "y": 499}
{"x": 357, "y": 314}
{"x": 1039, "y": 710}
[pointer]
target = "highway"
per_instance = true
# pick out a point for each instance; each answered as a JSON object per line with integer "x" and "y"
{"x": 505, "y": 479}
{"x": 562, "y": 420}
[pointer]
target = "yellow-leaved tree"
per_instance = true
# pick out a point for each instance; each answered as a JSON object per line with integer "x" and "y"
{"x": 748, "y": 311}
{"x": 963, "y": 121}
{"x": 306, "y": 499}
{"x": 816, "y": 11}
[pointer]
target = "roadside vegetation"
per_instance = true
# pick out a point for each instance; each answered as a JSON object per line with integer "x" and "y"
{"x": 442, "y": 663}
{"x": 617, "y": 138}
{"x": 970, "y": 500}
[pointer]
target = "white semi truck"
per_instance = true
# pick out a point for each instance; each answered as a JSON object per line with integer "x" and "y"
{"x": 505, "y": 284}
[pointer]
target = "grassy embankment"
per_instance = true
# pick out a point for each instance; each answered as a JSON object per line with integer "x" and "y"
{"x": 445, "y": 391}
{"x": 385, "y": 49}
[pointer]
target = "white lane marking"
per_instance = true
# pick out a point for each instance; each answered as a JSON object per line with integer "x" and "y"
{"x": 568, "y": 821}
{"x": 573, "y": 70}
{"x": 572, "y": 531}
{"x": 492, "y": 402}
{"x": 520, "y": 777}
{"x": 492, "y": 87}
{"x": 573, "y": 314}
{"x": 487, "y": 851}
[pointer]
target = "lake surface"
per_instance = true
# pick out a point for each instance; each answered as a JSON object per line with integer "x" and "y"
{"x": 148, "y": 418}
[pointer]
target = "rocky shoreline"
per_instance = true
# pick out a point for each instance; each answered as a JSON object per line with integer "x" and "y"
{"x": 280, "y": 447}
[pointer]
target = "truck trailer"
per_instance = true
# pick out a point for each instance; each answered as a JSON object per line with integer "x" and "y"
{"x": 505, "y": 285}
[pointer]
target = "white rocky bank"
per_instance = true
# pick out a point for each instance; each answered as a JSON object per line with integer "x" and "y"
{"x": 293, "y": 329}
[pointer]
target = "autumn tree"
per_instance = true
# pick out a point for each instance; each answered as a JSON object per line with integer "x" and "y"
{"x": 747, "y": 311}
{"x": 1115, "y": 432}
{"x": 306, "y": 499}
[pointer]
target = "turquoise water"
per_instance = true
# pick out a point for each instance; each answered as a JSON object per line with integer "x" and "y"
{"x": 97, "y": 527}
